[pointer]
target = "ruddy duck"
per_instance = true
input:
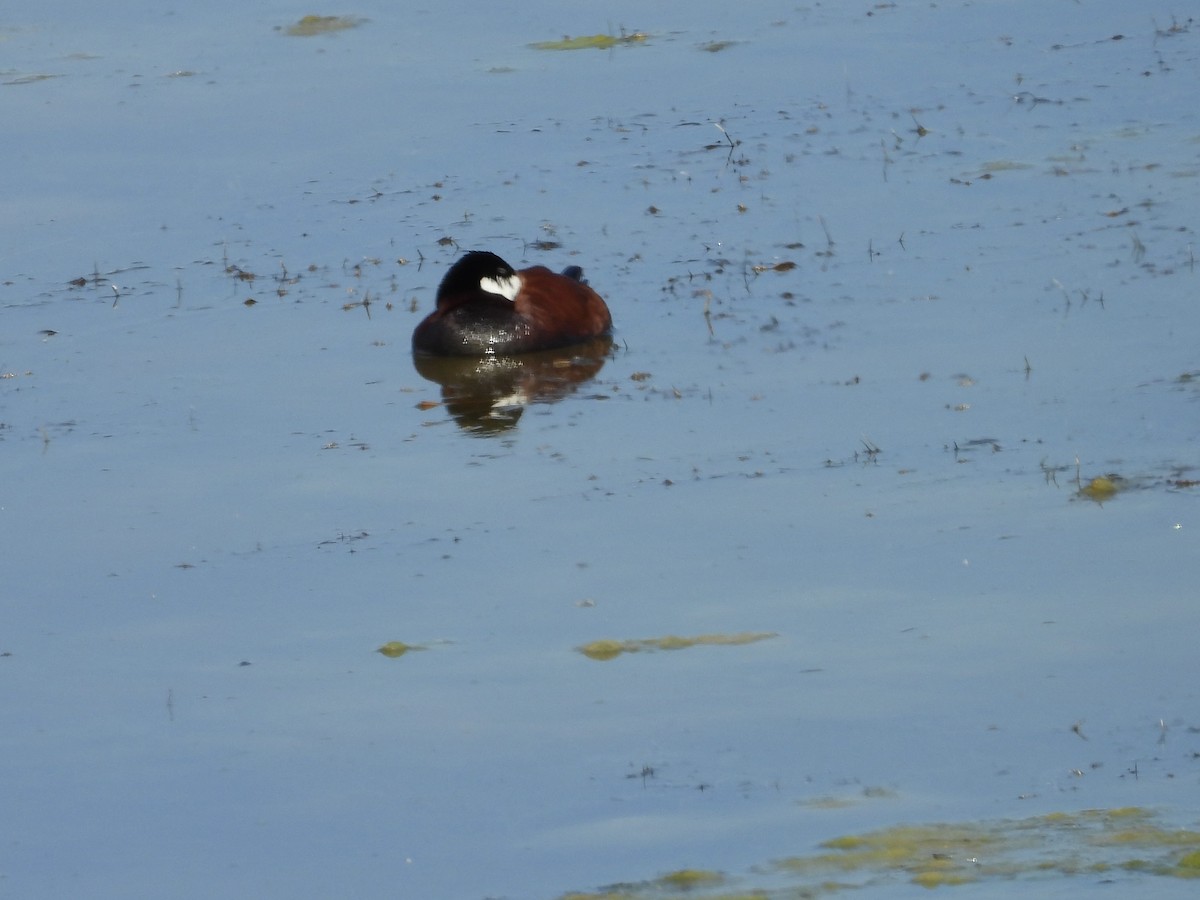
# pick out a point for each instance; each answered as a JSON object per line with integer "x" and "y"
{"x": 485, "y": 307}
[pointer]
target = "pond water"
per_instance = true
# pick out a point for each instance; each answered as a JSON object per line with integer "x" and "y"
{"x": 874, "y": 528}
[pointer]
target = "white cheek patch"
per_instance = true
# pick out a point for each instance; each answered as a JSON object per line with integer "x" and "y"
{"x": 508, "y": 287}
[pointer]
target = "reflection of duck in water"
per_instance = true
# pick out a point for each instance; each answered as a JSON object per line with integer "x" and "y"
{"x": 485, "y": 307}
{"x": 501, "y": 339}
{"x": 488, "y": 394}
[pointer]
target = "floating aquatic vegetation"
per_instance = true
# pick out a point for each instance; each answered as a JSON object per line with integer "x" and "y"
{"x": 610, "y": 649}
{"x": 1004, "y": 165}
{"x": 592, "y": 41}
{"x": 844, "y": 801}
{"x": 690, "y": 879}
{"x": 672, "y": 884}
{"x": 1094, "y": 843}
{"x": 396, "y": 649}
{"x": 314, "y": 25}
{"x": 1101, "y": 488}
{"x": 29, "y": 79}
{"x": 1091, "y": 841}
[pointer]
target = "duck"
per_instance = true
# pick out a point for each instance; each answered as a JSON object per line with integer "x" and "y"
{"x": 485, "y": 308}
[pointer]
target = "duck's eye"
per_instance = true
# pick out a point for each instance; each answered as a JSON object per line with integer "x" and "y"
{"x": 507, "y": 286}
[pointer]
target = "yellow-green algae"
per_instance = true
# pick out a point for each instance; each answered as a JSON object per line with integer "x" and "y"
{"x": 606, "y": 649}
{"x": 1101, "y": 842}
{"x": 1188, "y": 865}
{"x": 687, "y": 879}
{"x": 830, "y": 801}
{"x": 1102, "y": 487}
{"x": 591, "y": 41}
{"x": 395, "y": 649}
{"x": 680, "y": 882}
{"x": 1004, "y": 165}
{"x": 311, "y": 25}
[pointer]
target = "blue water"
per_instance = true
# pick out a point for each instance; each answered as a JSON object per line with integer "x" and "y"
{"x": 214, "y": 512}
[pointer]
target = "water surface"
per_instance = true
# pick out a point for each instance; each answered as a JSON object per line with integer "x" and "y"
{"x": 876, "y": 336}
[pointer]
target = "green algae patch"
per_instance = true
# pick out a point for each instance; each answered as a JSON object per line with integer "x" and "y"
{"x": 602, "y": 650}
{"x": 828, "y": 802}
{"x": 396, "y": 649}
{"x": 592, "y": 41}
{"x": 703, "y": 884}
{"x": 932, "y": 878}
{"x": 1004, "y": 165}
{"x": 1188, "y": 865}
{"x": 1101, "y": 488}
{"x": 833, "y": 801}
{"x": 1126, "y": 842}
{"x": 690, "y": 879}
{"x": 606, "y": 649}
{"x": 310, "y": 26}
{"x": 1063, "y": 844}
{"x": 1149, "y": 835}
{"x": 930, "y": 854}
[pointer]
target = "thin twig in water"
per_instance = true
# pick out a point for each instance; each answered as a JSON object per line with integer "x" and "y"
{"x": 721, "y": 128}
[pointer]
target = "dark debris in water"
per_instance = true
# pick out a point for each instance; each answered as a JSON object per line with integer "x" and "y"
{"x": 29, "y": 78}
{"x": 717, "y": 46}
